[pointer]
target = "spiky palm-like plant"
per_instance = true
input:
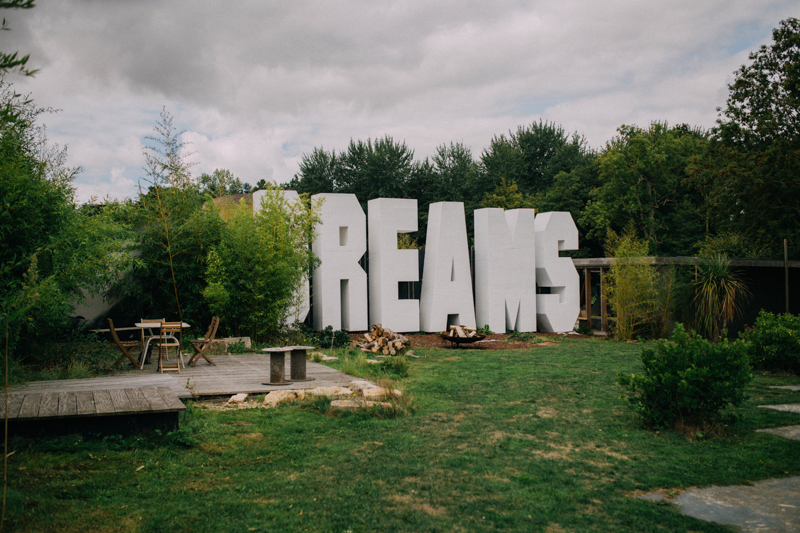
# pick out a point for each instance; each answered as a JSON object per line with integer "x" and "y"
{"x": 720, "y": 292}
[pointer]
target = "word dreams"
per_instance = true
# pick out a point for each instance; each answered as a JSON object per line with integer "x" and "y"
{"x": 515, "y": 251}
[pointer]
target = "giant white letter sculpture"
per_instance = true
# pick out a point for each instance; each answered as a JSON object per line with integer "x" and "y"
{"x": 299, "y": 310}
{"x": 446, "y": 296}
{"x": 505, "y": 269}
{"x": 340, "y": 284}
{"x": 558, "y": 310}
{"x": 388, "y": 265}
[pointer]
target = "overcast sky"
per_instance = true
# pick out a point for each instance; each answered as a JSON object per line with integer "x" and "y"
{"x": 257, "y": 84}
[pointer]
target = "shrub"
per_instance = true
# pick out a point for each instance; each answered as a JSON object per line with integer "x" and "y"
{"x": 687, "y": 381}
{"x": 774, "y": 343}
{"x": 328, "y": 338}
{"x": 259, "y": 265}
{"x": 719, "y": 294}
{"x": 630, "y": 284}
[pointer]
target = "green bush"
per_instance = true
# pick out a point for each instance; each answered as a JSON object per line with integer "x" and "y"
{"x": 774, "y": 343}
{"x": 256, "y": 271}
{"x": 688, "y": 380}
{"x": 328, "y": 338}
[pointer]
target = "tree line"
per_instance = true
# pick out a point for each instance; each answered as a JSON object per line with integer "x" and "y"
{"x": 731, "y": 190}
{"x": 170, "y": 253}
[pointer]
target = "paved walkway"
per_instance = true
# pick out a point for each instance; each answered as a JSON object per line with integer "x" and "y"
{"x": 769, "y": 506}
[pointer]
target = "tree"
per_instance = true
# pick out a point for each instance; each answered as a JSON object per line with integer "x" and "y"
{"x": 257, "y": 267}
{"x": 642, "y": 174}
{"x": 532, "y": 157}
{"x": 750, "y": 176}
{"x": 49, "y": 249}
{"x": 172, "y": 233}
{"x": 507, "y": 196}
{"x": 379, "y": 169}
{"x": 571, "y": 191}
{"x": 763, "y": 102}
{"x": 221, "y": 182}
{"x": 320, "y": 172}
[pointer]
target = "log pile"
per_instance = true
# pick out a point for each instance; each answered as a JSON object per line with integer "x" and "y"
{"x": 383, "y": 341}
{"x": 462, "y": 331}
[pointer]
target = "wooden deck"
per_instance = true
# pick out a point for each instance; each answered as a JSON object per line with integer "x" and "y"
{"x": 133, "y": 399}
{"x": 100, "y": 402}
{"x": 106, "y": 411}
{"x": 231, "y": 375}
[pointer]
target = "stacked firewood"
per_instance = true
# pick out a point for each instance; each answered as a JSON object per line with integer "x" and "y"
{"x": 461, "y": 331}
{"x": 383, "y": 341}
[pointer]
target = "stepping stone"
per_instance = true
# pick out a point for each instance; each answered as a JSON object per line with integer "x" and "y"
{"x": 238, "y": 398}
{"x": 788, "y": 432}
{"x": 786, "y": 387}
{"x": 352, "y": 405}
{"x": 769, "y": 505}
{"x": 787, "y": 407}
{"x": 772, "y": 505}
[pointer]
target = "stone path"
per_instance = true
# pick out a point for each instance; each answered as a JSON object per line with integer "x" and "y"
{"x": 772, "y": 505}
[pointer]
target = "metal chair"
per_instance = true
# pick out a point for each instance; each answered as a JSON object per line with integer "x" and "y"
{"x": 147, "y": 338}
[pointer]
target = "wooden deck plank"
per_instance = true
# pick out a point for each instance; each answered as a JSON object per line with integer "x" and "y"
{"x": 49, "y": 405}
{"x": 169, "y": 398}
{"x": 130, "y": 379}
{"x": 232, "y": 375}
{"x": 154, "y": 399}
{"x": 14, "y": 403}
{"x": 137, "y": 399}
{"x": 102, "y": 402}
{"x": 85, "y": 401}
{"x": 120, "y": 401}
{"x": 67, "y": 404}
{"x": 30, "y": 406}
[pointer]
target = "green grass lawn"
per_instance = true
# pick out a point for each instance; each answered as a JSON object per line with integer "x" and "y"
{"x": 530, "y": 440}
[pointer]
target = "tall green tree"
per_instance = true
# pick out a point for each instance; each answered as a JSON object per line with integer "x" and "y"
{"x": 172, "y": 234}
{"x": 750, "y": 175}
{"x": 376, "y": 169}
{"x": 531, "y": 157}
{"x": 642, "y": 175}
{"x": 320, "y": 171}
{"x": 221, "y": 182}
{"x": 50, "y": 250}
{"x": 259, "y": 264}
{"x": 571, "y": 191}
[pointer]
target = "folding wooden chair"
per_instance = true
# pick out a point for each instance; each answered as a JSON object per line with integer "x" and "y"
{"x": 169, "y": 339}
{"x": 201, "y": 345}
{"x": 124, "y": 346}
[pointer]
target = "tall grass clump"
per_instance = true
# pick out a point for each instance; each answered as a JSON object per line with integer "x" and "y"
{"x": 719, "y": 293}
{"x": 636, "y": 295}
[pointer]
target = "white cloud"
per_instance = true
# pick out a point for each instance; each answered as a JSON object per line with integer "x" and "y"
{"x": 257, "y": 84}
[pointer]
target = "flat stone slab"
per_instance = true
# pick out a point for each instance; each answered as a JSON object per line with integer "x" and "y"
{"x": 788, "y": 432}
{"x": 787, "y": 387}
{"x": 772, "y": 505}
{"x": 787, "y": 407}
